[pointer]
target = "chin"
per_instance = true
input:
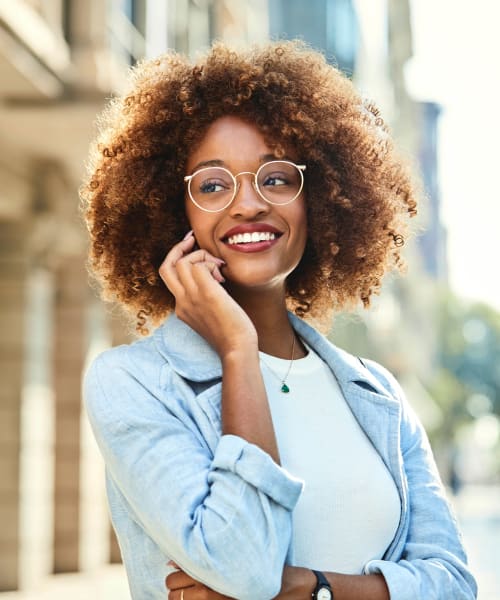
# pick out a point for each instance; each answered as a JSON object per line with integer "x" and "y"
{"x": 255, "y": 281}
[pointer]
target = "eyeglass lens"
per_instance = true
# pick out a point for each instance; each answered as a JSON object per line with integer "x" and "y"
{"x": 213, "y": 187}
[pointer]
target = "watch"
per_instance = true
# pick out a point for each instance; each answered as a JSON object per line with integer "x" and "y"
{"x": 323, "y": 590}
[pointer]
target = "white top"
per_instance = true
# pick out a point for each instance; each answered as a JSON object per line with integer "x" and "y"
{"x": 350, "y": 509}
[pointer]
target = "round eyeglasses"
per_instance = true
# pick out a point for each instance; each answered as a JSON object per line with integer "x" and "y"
{"x": 212, "y": 189}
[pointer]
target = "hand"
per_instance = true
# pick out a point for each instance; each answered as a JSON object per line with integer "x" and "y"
{"x": 183, "y": 587}
{"x": 297, "y": 583}
{"x": 194, "y": 278}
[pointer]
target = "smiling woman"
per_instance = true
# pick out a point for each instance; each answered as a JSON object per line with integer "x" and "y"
{"x": 218, "y": 478}
{"x": 359, "y": 192}
{"x": 266, "y": 202}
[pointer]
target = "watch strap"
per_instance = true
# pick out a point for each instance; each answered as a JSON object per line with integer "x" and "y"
{"x": 322, "y": 582}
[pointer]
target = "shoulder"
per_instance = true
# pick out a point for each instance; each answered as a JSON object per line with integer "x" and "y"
{"x": 120, "y": 377}
{"x": 384, "y": 377}
{"x": 139, "y": 357}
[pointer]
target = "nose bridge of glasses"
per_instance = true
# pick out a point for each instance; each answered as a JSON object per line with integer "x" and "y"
{"x": 244, "y": 173}
{"x": 253, "y": 181}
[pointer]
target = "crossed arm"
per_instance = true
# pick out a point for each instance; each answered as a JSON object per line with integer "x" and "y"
{"x": 297, "y": 584}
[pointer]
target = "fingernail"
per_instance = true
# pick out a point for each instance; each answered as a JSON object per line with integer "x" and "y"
{"x": 220, "y": 261}
{"x": 188, "y": 235}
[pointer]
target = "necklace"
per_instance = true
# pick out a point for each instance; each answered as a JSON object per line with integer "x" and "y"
{"x": 284, "y": 388}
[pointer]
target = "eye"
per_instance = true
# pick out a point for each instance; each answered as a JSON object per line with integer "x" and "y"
{"x": 211, "y": 186}
{"x": 275, "y": 179}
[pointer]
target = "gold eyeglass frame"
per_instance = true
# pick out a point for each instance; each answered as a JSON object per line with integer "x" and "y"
{"x": 236, "y": 185}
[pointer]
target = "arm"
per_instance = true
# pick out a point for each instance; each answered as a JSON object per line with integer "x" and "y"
{"x": 194, "y": 279}
{"x": 297, "y": 584}
{"x": 223, "y": 512}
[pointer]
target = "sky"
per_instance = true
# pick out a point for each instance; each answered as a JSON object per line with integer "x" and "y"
{"x": 456, "y": 63}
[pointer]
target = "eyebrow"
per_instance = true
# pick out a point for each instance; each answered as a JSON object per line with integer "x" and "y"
{"x": 216, "y": 162}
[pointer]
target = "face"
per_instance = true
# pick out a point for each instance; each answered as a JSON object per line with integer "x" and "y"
{"x": 239, "y": 147}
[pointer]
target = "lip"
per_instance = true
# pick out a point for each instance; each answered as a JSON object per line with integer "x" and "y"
{"x": 250, "y": 247}
{"x": 250, "y": 228}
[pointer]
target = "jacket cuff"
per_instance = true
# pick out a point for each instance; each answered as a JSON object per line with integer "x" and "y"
{"x": 257, "y": 468}
{"x": 400, "y": 581}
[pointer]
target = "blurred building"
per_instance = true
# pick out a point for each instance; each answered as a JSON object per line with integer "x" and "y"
{"x": 328, "y": 25}
{"x": 433, "y": 241}
{"x": 59, "y": 61}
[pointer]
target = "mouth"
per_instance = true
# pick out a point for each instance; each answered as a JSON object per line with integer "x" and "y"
{"x": 251, "y": 239}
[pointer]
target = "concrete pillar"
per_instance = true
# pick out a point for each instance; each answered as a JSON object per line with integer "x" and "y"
{"x": 37, "y": 433}
{"x": 13, "y": 269}
{"x": 71, "y": 293}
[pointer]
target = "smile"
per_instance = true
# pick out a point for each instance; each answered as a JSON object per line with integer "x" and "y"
{"x": 248, "y": 238}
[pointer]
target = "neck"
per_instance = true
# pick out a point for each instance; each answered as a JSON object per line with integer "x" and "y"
{"x": 267, "y": 311}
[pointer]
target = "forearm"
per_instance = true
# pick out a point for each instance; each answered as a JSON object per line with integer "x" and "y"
{"x": 245, "y": 409}
{"x": 299, "y": 583}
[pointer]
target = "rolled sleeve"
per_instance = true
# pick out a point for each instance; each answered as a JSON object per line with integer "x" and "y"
{"x": 258, "y": 469}
{"x": 401, "y": 583}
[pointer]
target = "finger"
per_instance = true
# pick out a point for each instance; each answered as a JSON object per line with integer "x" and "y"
{"x": 176, "y": 267}
{"x": 201, "y": 255}
{"x": 179, "y": 579}
{"x": 180, "y": 593}
{"x": 187, "y": 266}
{"x": 167, "y": 269}
{"x": 202, "y": 269}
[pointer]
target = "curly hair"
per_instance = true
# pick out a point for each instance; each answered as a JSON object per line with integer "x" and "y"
{"x": 359, "y": 192}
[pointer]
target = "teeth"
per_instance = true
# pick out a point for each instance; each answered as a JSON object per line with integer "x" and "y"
{"x": 255, "y": 236}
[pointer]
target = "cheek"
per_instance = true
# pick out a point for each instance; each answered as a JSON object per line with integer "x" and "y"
{"x": 301, "y": 221}
{"x": 203, "y": 226}
{"x": 188, "y": 210}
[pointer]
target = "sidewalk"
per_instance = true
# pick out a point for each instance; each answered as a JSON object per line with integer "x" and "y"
{"x": 107, "y": 583}
{"x": 478, "y": 512}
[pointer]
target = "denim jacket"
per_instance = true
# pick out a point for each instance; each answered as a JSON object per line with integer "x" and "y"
{"x": 219, "y": 506}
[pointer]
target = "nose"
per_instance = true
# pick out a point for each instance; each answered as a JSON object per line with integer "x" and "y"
{"x": 247, "y": 201}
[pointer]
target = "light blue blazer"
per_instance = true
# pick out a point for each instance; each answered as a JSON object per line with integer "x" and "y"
{"x": 220, "y": 507}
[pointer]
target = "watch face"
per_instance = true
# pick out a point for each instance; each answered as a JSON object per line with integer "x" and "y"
{"x": 324, "y": 594}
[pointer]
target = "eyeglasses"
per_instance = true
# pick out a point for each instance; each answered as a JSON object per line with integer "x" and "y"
{"x": 212, "y": 189}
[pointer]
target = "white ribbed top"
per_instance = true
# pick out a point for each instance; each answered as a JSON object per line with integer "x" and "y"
{"x": 350, "y": 509}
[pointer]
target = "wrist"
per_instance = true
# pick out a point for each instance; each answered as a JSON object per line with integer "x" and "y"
{"x": 298, "y": 582}
{"x": 322, "y": 589}
{"x": 240, "y": 354}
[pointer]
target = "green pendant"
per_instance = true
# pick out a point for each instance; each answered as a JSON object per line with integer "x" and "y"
{"x": 285, "y": 389}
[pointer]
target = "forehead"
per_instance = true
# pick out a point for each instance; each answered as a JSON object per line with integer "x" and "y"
{"x": 233, "y": 141}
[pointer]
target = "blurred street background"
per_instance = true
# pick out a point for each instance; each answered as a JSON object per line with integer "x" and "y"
{"x": 432, "y": 68}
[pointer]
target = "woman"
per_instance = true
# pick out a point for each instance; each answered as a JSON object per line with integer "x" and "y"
{"x": 241, "y": 447}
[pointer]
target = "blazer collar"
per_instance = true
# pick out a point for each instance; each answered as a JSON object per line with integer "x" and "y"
{"x": 193, "y": 358}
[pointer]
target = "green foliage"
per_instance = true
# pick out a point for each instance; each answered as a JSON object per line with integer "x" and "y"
{"x": 469, "y": 351}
